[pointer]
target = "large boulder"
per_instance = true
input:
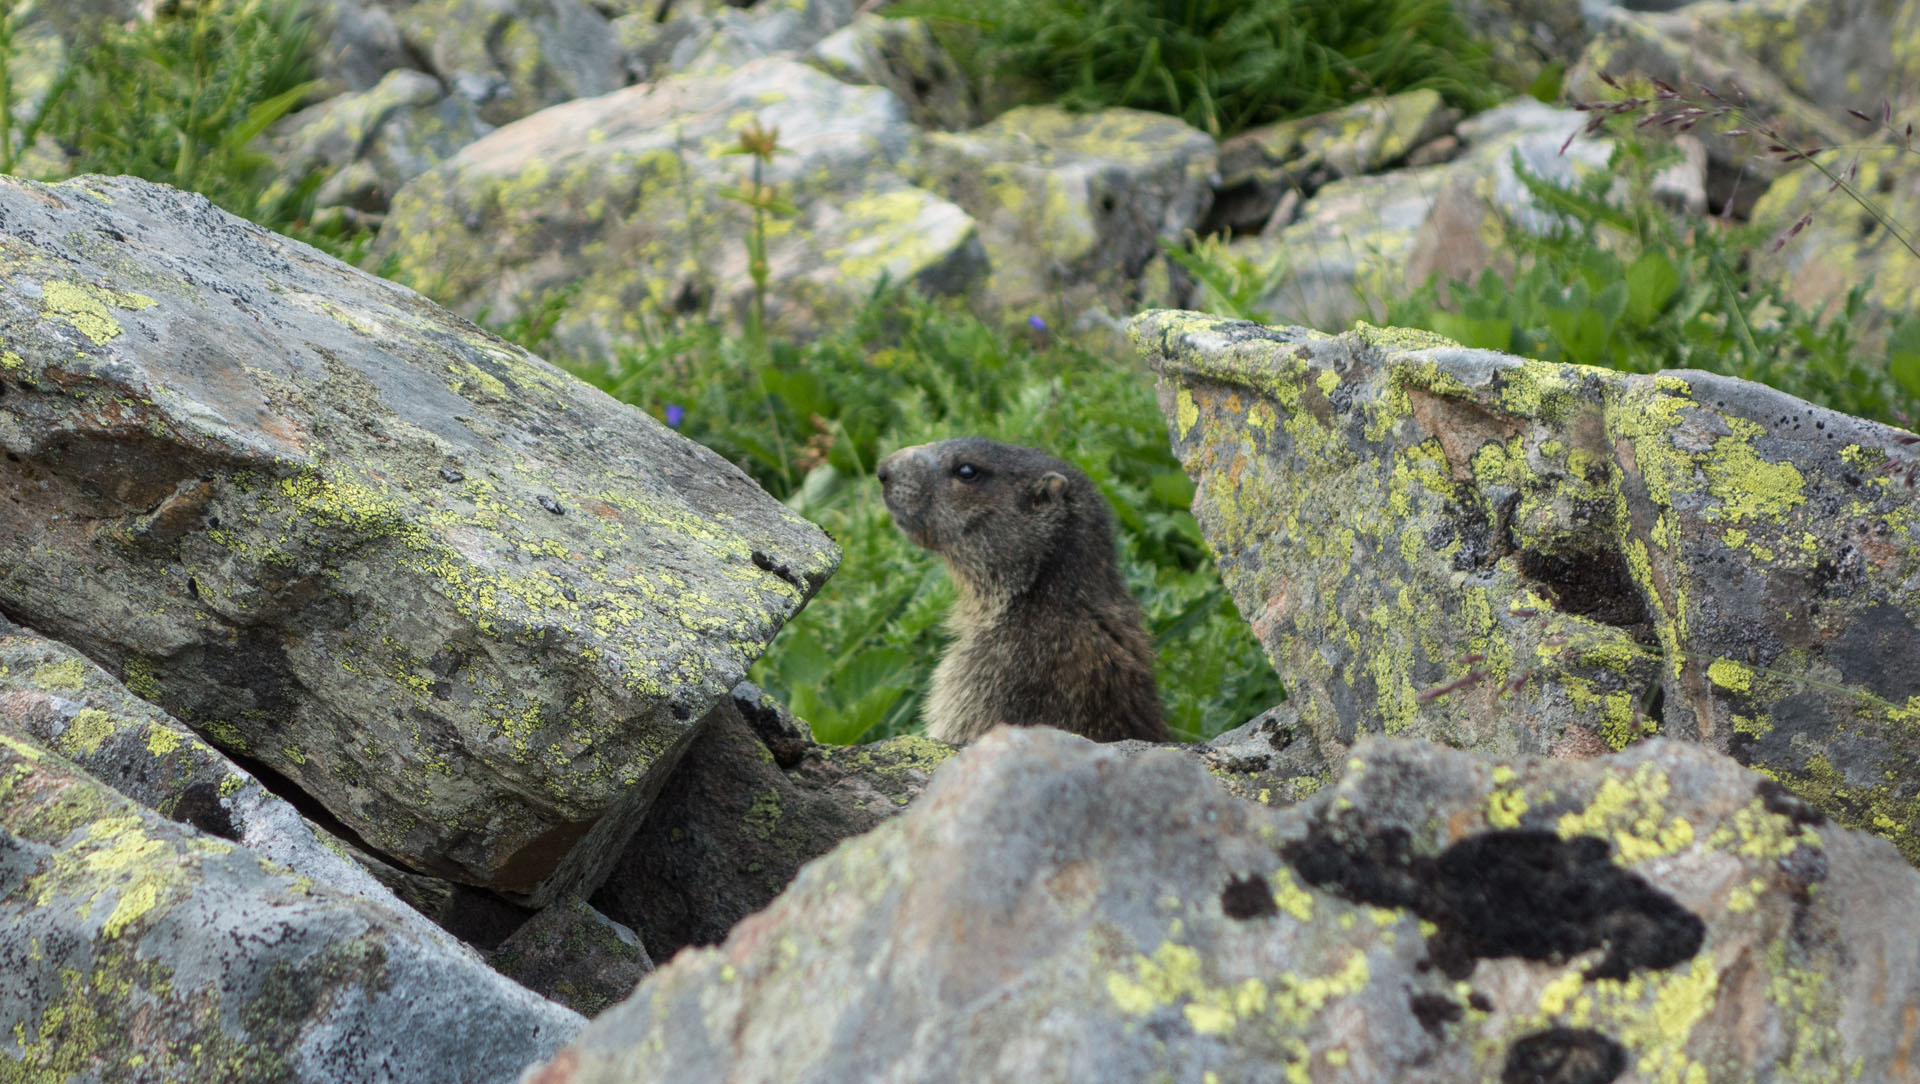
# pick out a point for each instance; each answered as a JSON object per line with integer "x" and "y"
{"x": 904, "y": 56}
{"x": 1525, "y": 557}
{"x": 1073, "y": 207}
{"x": 622, "y": 200}
{"x": 514, "y": 57}
{"x": 1843, "y": 245}
{"x": 1795, "y": 67}
{"x": 470, "y": 606}
{"x": 59, "y": 699}
{"x": 1259, "y": 167}
{"x": 136, "y": 949}
{"x": 371, "y": 143}
{"x": 1051, "y": 910}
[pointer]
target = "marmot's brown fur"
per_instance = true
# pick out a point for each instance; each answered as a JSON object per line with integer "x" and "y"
{"x": 1046, "y": 632}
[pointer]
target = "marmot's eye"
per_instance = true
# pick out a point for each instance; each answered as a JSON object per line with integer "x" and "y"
{"x": 966, "y": 472}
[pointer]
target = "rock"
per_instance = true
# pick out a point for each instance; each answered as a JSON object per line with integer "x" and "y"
{"x": 1258, "y": 167}
{"x": 1075, "y": 205}
{"x": 1373, "y": 237}
{"x": 358, "y": 44}
{"x": 1798, "y": 66}
{"x": 903, "y": 56}
{"x": 1526, "y": 38}
{"x": 1518, "y": 556}
{"x": 467, "y": 604}
{"x": 373, "y": 142}
{"x": 137, "y": 949}
{"x": 1271, "y": 758}
{"x": 1052, "y": 910}
{"x": 55, "y": 697}
{"x": 574, "y": 955}
{"x": 726, "y": 36}
{"x": 743, "y": 813}
{"x": 515, "y": 57}
{"x": 620, "y": 199}
{"x": 1844, "y": 245}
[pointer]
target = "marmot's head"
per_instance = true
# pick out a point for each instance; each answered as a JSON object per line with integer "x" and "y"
{"x": 1001, "y": 515}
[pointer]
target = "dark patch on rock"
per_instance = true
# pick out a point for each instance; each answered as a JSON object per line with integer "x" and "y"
{"x": 1247, "y": 898}
{"x": 1435, "y": 1013}
{"x": 1519, "y": 893}
{"x": 200, "y": 806}
{"x": 1564, "y": 1056}
{"x": 479, "y": 917}
{"x": 1595, "y": 585}
{"x": 1880, "y": 651}
{"x": 1778, "y": 799}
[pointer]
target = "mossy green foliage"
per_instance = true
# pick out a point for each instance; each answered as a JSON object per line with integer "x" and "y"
{"x": 1222, "y": 65}
{"x": 811, "y": 422}
{"x": 182, "y": 99}
{"x": 1628, "y": 284}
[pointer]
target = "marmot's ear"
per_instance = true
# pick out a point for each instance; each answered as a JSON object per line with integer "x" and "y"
{"x": 1047, "y": 488}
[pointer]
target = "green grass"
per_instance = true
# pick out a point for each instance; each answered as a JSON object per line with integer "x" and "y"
{"x": 181, "y": 100}
{"x": 811, "y": 422}
{"x": 1222, "y": 65}
{"x": 1630, "y": 285}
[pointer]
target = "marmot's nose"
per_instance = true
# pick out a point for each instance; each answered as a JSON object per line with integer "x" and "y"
{"x": 890, "y": 466}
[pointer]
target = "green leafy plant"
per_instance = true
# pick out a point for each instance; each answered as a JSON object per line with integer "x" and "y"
{"x": 19, "y": 131}
{"x": 1223, "y": 65}
{"x": 182, "y": 98}
{"x": 907, "y": 370}
{"x": 1626, "y": 283}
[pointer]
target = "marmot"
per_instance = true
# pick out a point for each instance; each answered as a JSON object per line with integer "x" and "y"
{"x": 1046, "y": 632}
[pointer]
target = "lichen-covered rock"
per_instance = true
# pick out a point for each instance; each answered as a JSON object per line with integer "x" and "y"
{"x": 1259, "y": 166}
{"x": 357, "y": 43}
{"x": 713, "y": 37}
{"x": 1375, "y": 236}
{"x": 621, "y": 199}
{"x": 1526, "y": 557}
{"x": 574, "y": 955}
{"x": 1271, "y": 758}
{"x": 749, "y": 805}
{"x": 55, "y": 696}
{"x": 1525, "y": 38}
{"x": 1051, "y": 910}
{"x": 137, "y": 950}
{"x": 903, "y": 56}
{"x": 515, "y": 57}
{"x": 1356, "y": 237}
{"x": 1796, "y": 66}
{"x": 1074, "y": 206}
{"x": 372, "y": 142}
{"x": 1845, "y": 246}
{"x": 465, "y": 602}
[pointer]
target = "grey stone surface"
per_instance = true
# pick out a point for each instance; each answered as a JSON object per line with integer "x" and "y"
{"x": 904, "y": 56}
{"x": 575, "y": 955}
{"x": 1525, "y": 557}
{"x": 619, "y": 199}
{"x": 751, "y": 802}
{"x": 466, "y": 603}
{"x": 370, "y": 143}
{"x": 137, "y": 950}
{"x": 1052, "y": 910}
{"x": 1073, "y": 207}
{"x": 56, "y": 697}
{"x": 515, "y": 57}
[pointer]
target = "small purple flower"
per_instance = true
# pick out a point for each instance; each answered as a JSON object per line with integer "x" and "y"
{"x": 675, "y": 415}
{"x": 1037, "y": 324}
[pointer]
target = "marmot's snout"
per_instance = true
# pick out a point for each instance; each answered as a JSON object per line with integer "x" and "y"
{"x": 903, "y": 485}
